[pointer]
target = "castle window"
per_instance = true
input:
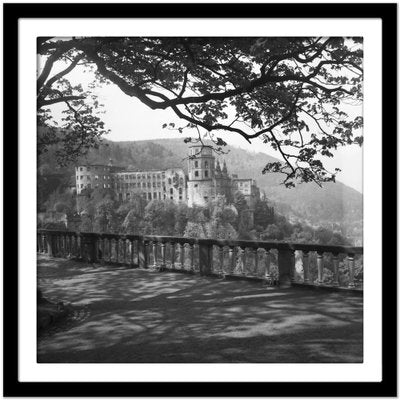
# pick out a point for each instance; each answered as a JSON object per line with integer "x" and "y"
{"x": 205, "y": 198}
{"x": 196, "y": 173}
{"x": 181, "y": 181}
{"x": 149, "y": 196}
{"x": 165, "y": 196}
{"x": 196, "y": 164}
{"x": 169, "y": 181}
{"x": 172, "y": 197}
{"x": 158, "y": 176}
{"x": 104, "y": 177}
{"x": 154, "y": 184}
{"x": 206, "y": 174}
{"x": 81, "y": 169}
{"x": 158, "y": 184}
{"x": 180, "y": 190}
{"x": 128, "y": 195}
{"x": 159, "y": 195}
{"x": 120, "y": 196}
{"x": 206, "y": 164}
{"x": 171, "y": 191}
{"x": 104, "y": 185}
{"x": 180, "y": 197}
{"x": 155, "y": 196}
{"x": 196, "y": 185}
{"x": 148, "y": 184}
{"x": 81, "y": 185}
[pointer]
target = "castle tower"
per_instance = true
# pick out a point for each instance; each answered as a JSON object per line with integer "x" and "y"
{"x": 217, "y": 169}
{"x": 201, "y": 171}
{"x": 224, "y": 169}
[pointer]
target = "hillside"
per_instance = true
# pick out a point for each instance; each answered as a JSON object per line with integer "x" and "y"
{"x": 335, "y": 204}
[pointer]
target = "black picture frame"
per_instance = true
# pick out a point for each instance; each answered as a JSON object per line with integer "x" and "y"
{"x": 12, "y": 13}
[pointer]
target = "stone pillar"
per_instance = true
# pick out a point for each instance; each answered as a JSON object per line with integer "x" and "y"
{"x": 285, "y": 267}
{"x": 89, "y": 243}
{"x": 205, "y": 258}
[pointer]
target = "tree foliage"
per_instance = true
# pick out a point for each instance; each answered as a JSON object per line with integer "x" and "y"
{"x": 292, "y": 92}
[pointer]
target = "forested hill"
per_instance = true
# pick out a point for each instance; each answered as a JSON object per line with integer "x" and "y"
{"x": 335, "y": 203}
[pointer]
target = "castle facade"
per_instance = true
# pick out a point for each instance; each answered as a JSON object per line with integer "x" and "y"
{"x": 206, "y": 180}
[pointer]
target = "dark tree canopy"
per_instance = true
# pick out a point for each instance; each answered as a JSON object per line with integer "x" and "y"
{"x": 293, "y": 93}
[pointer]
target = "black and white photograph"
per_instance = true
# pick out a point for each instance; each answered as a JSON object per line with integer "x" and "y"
{"x": 200, "y": 199}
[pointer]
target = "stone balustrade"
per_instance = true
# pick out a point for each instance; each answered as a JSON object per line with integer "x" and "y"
{"x": 282, "y": 263}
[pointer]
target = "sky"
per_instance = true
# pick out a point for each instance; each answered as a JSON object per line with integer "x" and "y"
{"x": 129, "y": 120}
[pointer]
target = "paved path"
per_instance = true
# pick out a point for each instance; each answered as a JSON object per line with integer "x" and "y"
{"x": 136, "y": 316}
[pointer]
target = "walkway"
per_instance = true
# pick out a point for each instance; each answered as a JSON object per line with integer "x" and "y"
{"x": 136, "y": 316}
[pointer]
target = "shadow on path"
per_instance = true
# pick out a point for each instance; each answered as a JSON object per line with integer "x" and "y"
{"x": 135, "y": 316}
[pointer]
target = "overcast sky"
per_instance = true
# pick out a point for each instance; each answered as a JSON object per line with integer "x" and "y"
{"x": 129, "y": 119}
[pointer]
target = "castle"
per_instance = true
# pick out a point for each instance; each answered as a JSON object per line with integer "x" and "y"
{"x": 204, "y": 182}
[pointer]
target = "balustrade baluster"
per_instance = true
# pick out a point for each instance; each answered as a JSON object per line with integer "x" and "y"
{"x": 117, "y": 250}
{"x": 243, "y": 260}
{"x": 124, "y": 251}
{"x": 71, "y": 245}
{"x": 255, "y": 254}
{"x": 110, "y": 249}
{"x": 154, "y": 254}
{"x": 335, "y": 259}
{"x": 230, "y": 259}
{"x": 306, "y": 267}
{"x": 350, "y": 259}
{"x": 163, "y": 257}
{"x": 172, "y": 255}
{"x": 268, "y": 277}
{"x": 102, "y": 250}
{"x": 320, "y": 267}
{"x": 43, "y": 243}
{"x": 191, "y": 252}
{"x": 62, "y": 242}
{"x": 221, "y": 259}
{"x": 67, "y": 247}
{"x": 130, "y": 258}
{"x": 99, "y": 252}
{"x": 182, "y": 255}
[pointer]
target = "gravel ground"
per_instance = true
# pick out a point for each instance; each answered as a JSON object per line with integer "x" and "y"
{"x": 123, "y": 315}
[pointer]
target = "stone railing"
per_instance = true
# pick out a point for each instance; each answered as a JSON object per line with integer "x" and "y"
{"x": 280, "y": 263}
